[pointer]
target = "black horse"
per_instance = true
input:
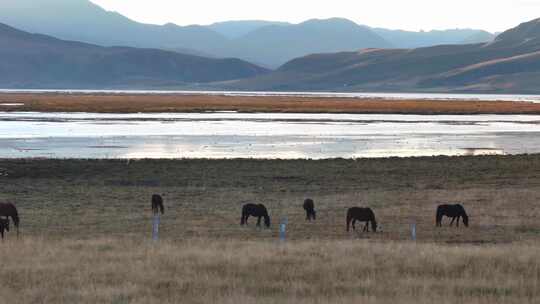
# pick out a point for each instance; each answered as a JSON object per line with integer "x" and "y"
{"x": 8, "y": 210}
{"x": 258, "y": 211}
{"x": 309, "y": 206}
{"x": 157, "y": 204}
{"x": 4, "y": 226}
{"x": 454, "y": 211}
{"x": 362, "y": 215}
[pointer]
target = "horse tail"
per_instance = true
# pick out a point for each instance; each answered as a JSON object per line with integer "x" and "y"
{"x": 15, "y": 217}
{"x": 438, "y": 217}
{"x": 243, "y": 218}
{"x": 349, "y": 217}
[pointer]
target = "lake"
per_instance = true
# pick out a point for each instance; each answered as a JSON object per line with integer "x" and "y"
{"x": 239, "y": 135}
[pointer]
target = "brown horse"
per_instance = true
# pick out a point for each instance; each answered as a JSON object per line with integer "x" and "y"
{"x": 309, "y": 207}
{"x": 362, "y": 215}
{"x": 8, "y": 210}
{"x": 454, "y": 211}
{"x": 157, "y": 204}
{"x": 256, "y": 210}
{"x": 4, "y": 226}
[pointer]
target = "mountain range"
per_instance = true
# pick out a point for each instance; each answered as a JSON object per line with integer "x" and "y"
{"x": 510, "y": 63}
{"x": 266, "y": 43}
{"x": 94, "y": 48}
{"x": 40, "y": 61}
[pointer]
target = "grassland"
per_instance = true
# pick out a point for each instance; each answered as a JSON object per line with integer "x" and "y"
{"x": 86, "y": 231}
{"x": 125, "y": 103}
{"x": 112, "y": 270}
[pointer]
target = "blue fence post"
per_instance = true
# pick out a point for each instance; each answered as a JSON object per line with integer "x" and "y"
{"x": 155, "y": 227}
{"x": 283, "y": 229}
{"x": 413, "y": 231}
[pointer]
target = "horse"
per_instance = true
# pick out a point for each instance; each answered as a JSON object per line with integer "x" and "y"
{"x": 258, "y": 211}
{"x": 362, "y": 215}
{"x": 8, "y": 210}
{"x": 4, "y": 226}
{"x": 454, "y": 211}
{"x": 157, "y": 204}
{"x": 309, "y": 206}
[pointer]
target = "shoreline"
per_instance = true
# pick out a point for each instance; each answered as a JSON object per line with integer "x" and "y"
{"x": 185, "y": 103}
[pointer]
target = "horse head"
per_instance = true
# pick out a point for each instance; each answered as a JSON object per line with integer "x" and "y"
{"x": 465, "y": 220}
{"x": 374, "y": 225}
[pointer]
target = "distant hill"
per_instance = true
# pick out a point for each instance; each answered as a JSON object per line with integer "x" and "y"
{"x": 479, "y": 37}
{"x": 510, "y": 63}
{"x": 81, "y": 20}
{"x": 237, "y": 29}
{"x": 276, "y": 44}
{"x": 39, "y": 61}
{"x": 409, "y": 39}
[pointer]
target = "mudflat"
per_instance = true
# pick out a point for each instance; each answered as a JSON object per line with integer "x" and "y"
{"x": 153, "y": 103}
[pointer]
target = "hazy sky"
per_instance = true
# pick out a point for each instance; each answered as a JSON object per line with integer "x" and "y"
{"x": 492, "y": 15}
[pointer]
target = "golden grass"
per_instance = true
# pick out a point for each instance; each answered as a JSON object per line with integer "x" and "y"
{"x": 110, "y": 103}
{"x": 116, "y": 270}
{"x": 79, "y": 198}
{"x": 86, "y": 231}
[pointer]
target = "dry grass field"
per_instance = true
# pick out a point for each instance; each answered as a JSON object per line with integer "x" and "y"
{"x": 86, "y": 231}
{"x": 115, "y": 270}
{"x": 124, "y": 103}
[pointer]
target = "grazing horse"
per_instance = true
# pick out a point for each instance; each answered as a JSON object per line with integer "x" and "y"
{"x": 362, "y": 215}
{"x": 454, "y": 211}
{"x": 4, "y": 226}
{"x": 8, "y": 210}
{"x": 258, "y": 211}
{"x": 309, "y": 206}
{"x": 157, "y": 204}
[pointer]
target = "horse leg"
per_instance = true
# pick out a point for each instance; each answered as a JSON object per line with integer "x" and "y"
{"x": 452, "y": 222}
{"x": 259, "y": 221}
{"x": 354, "y": 224}
{"x": 457, "y": 222}
{"x": 366, "y": 227}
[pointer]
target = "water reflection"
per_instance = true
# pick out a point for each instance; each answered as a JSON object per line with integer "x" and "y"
{"x": 286, "y": 136}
